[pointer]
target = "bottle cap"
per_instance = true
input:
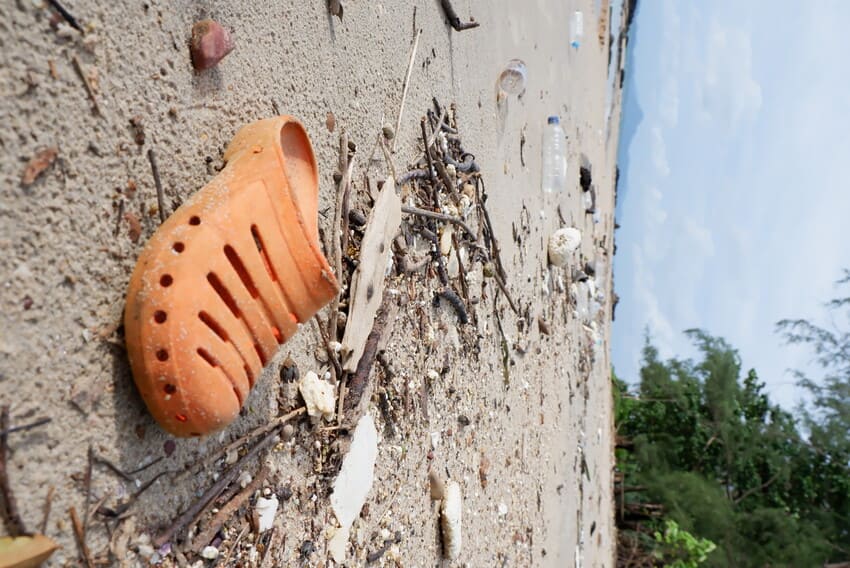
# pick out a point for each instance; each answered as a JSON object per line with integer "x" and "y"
{"x": 554, "y": 120}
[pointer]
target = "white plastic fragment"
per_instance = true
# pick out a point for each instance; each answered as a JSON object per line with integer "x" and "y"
{"x": 264, "y": 512}
{"x": 353, "y": 483}
{"x": 562, "y": 244}
{"x": 318, "y": 395}
{"x": 450, "y": 520}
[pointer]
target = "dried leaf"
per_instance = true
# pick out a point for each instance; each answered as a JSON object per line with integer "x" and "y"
{"x": 134, "y": 226}
{"x": 25, "y": 551}
{"x": 38, "y": 163}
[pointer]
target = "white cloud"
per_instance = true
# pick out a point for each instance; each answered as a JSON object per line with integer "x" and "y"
{"x": 646, "y": 300}
{"x": 659, "y": 153}
{"x": 728, "y": 92}
{"x": 668, "y": 102}
{"x": 699, "y": 236}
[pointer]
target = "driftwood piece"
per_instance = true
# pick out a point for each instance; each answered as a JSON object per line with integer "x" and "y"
{"x": 367, "y": 283}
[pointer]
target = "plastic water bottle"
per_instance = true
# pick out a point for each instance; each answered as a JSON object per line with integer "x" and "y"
{"x": 576, "y": 29}
{"x": 512, "y": 79}
{"x": 554, "y": 179}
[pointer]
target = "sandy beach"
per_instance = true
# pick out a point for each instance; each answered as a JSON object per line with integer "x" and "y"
{"x": 515, "y": 408}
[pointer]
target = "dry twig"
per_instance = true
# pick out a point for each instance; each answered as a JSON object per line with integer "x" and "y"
{"x": 11, "y": 517}
{"x": 406, "y": 86}
{"x": 160, "y": 199}
{"x": 80, "y": 534}
{"x": 224, "y": 513}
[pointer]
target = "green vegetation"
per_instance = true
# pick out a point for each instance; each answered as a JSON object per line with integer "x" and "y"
{"x": 705, "y": 458}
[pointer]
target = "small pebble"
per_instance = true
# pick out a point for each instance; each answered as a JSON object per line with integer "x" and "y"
{"x": 210, "y": 43}
{"x": 210, "y": 552}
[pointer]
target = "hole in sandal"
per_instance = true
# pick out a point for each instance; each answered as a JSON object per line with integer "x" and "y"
{"x": 194, "y": 220}
{"x": 160, "y": 316}
{"x": 223, "y": 293}
{"x": 166, "y": 280}
{"x": 178, "y": 247}
{"x": 213, "y": 325}
{"x": 162, "y": 355}
{"x": 169, "y": 389}
{"x": 207, "y": 356}
{"x": 239, "y": 267}
{"x": 258, "y": 241}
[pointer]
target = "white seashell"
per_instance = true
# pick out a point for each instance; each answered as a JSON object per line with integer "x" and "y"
{"x": 562, "y": 244}
{"x": 450, "y": 520}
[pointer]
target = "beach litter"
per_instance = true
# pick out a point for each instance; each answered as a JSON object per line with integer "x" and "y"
{"x": 353, "y": 483}
{"x": 451, "y": 514}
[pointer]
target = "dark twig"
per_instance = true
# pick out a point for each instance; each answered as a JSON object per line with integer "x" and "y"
{"x": 228, "y": 510}
{"x": 439, "y": 217}
{"x": 124, "y": 507}
{"x": 87, "y": 481}
{"x": 119, "y": 218}
{"x": 360, "y": 379}
{"x": 332, "y": 357}
{"x": 454, "y": 20}
{"x": 80, "y": 534}
{"x": 45, "y": 516}
{"x": 160, "y": 199}
{"x": 452, "y": 298}
{"x": 24, "y": 427}
{"x": 255, "y": 433}
{"x": 66, "y": 15}
{"x": 14, "y": 524}
{"x": 193, "y": 512}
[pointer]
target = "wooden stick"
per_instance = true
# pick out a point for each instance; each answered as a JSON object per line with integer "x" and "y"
{"x": 364, "y": 366}
{"x": 11, "y": 516}
{"x": 78, "y": 67}
{"x": 46, "y": 514}
{"x": 24, "y": 427}
{"x": 66, "y": 15}
{"x": 406, "y": 86}
{"x": 267, "y": 432}
{"x": 199, "y": 506}
{"x": 224, "y": 513}
{"x": 454, "y": 20}
{"x": 439, "y": 217}
{"x": 259, "y": 431}
{"x": 160, "y": 198}
{"x": 80, "y": 535}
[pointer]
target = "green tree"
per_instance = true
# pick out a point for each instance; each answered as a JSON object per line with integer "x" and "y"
{"x": 724, "y": 462}
{"x": 827, "y": 416}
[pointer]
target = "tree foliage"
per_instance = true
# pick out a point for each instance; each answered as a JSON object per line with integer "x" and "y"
{"x": 702, "y": 439}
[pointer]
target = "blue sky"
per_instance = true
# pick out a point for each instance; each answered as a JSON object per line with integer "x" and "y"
{"x": 733, "y": 204}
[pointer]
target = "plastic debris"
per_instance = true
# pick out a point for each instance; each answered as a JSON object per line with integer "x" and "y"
{"x": 264, "y": 512}
{"x": 450, "y": 520}
{"x": 353, "y": 483}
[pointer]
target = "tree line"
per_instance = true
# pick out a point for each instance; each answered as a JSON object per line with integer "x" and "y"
{"x": 711, "y": 472}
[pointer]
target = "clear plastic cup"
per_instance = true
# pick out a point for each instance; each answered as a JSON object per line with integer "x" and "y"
{"x": 512, "y": 78}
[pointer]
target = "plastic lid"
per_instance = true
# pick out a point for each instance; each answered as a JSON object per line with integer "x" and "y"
{"x": 554, "y": 120}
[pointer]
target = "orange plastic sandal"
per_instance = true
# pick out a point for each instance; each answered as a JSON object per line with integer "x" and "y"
{"x": 226, "y": 279}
